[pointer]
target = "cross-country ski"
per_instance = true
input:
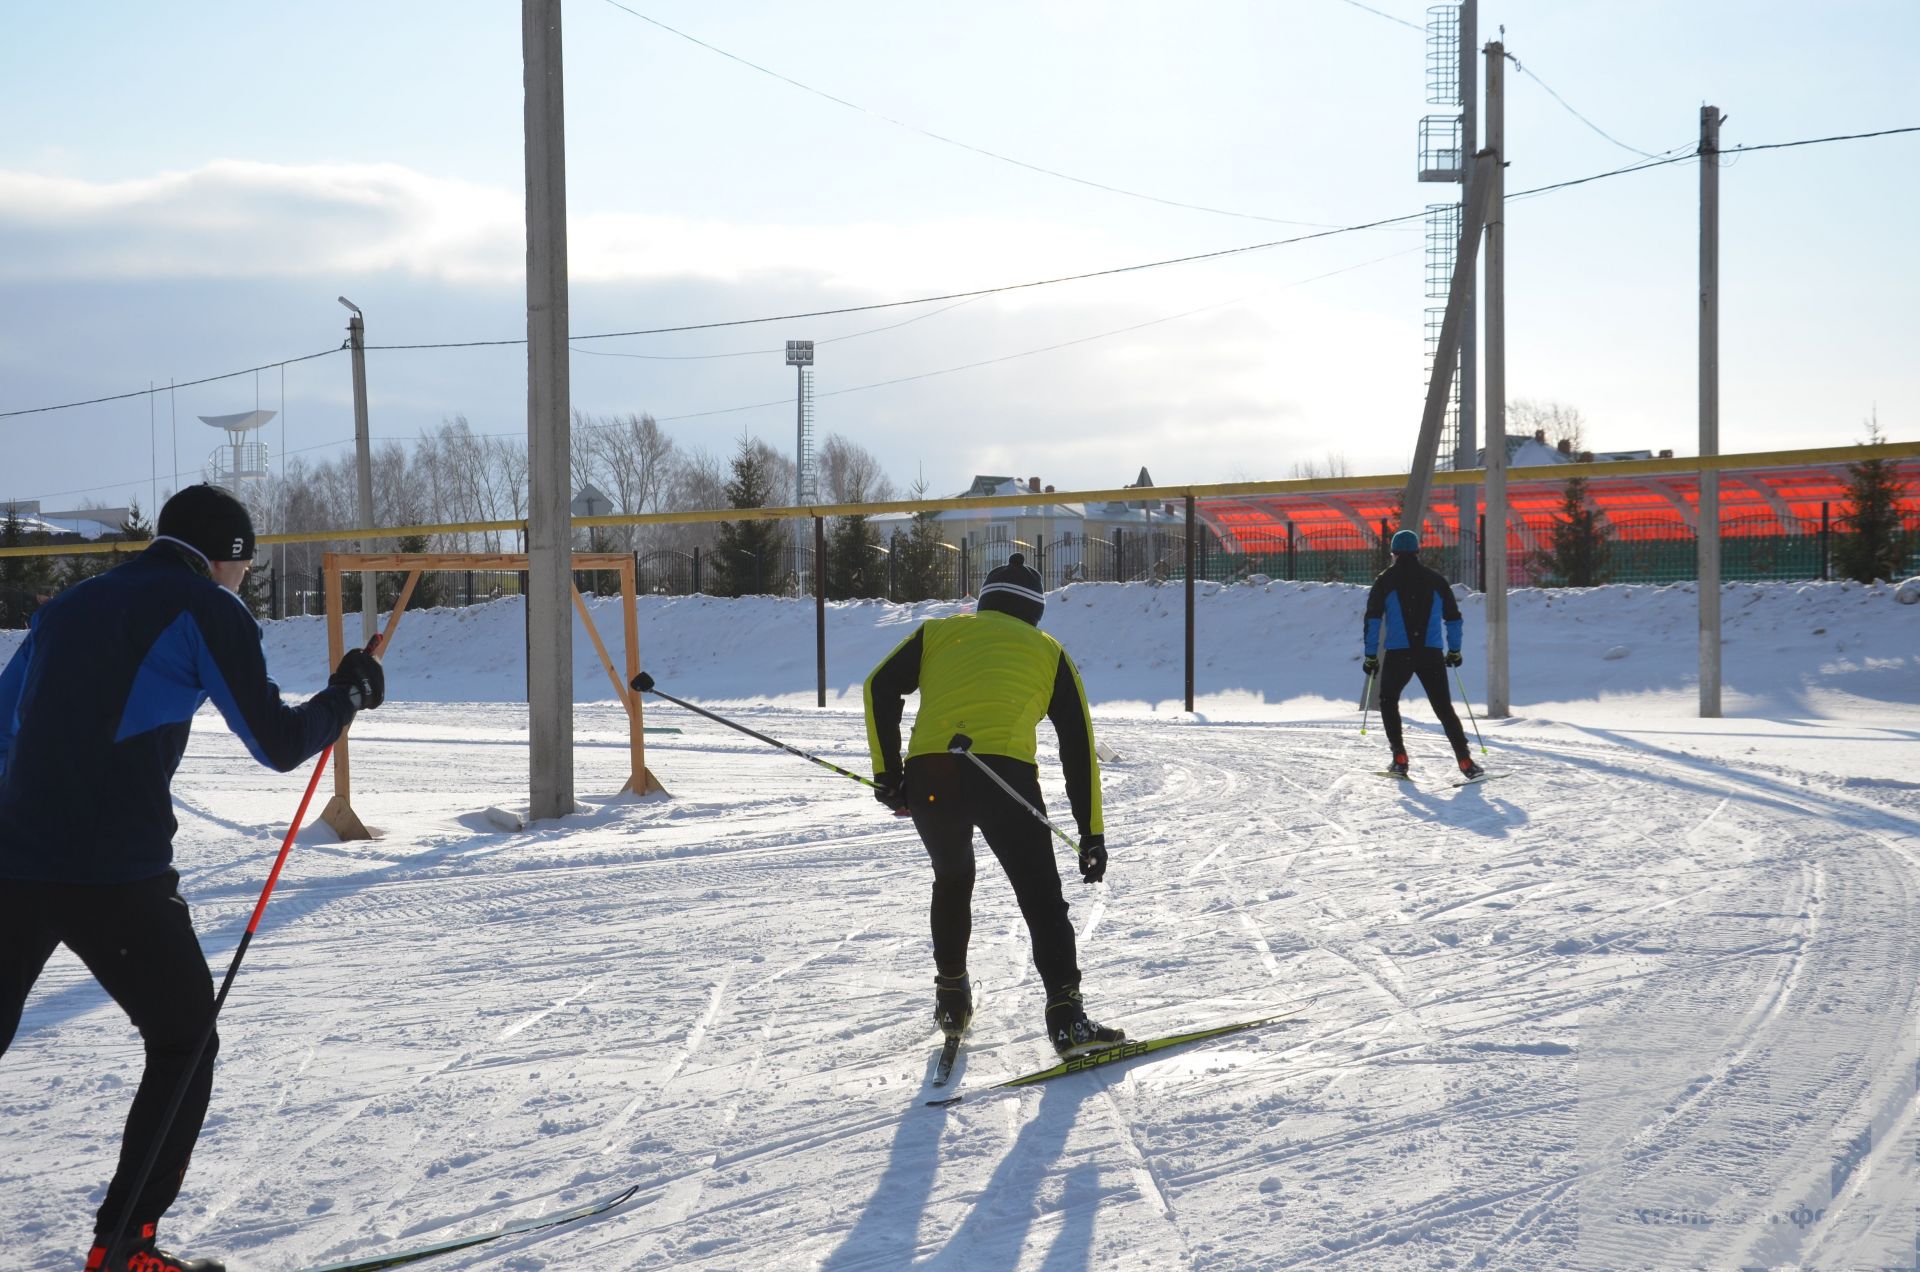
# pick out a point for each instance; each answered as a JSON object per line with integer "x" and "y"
{"x": 1115, "y": 1053}
{"x": 517, "y": 1228}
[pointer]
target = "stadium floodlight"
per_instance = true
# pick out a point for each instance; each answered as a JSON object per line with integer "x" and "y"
{"x": 799, "y": 353}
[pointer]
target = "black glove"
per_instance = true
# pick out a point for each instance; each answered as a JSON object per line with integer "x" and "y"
{"x": 1093, "y": 858}
{"x": 1453, "y": 658}
{"x": 890, "y": 788}
{"x": 361, "y": 675}
{"x": 1369, "y": 664}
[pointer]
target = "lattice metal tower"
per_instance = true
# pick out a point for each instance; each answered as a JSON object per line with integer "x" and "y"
{"x": 1443, "y": 159}
{"x": 806, "y": 485}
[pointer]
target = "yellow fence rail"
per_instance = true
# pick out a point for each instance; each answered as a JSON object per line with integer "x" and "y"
{"x": 1810, "y": 457}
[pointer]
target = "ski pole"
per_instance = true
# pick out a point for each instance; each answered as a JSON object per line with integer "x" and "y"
{"x": 233, "y": 969}
{"x": 961, "y": 744}
{"x": 644, "y": 683}
{"x": 1366, "y": 703}
{"x": 1469, "y": 701}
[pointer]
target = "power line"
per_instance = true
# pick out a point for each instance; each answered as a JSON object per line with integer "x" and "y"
{"x": 976, "y": 293}
{"x": 978, "y": 150}
{"x": 1381, "y": 13}
{"x": 1518, "y": 66}
{"x": 758, "y": 353}
{"x": 184, "y": 384}
{"x": 1010, "y": 357}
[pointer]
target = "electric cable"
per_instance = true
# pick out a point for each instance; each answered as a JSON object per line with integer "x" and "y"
{"x": 758, "y": 353}
{"x": 1008, "y": 287}
{"x": 1568, "y": 107}
{"x": 978, "y": 150}
{"x": 121, "y": 397}
{"x": 1381, "y": 13}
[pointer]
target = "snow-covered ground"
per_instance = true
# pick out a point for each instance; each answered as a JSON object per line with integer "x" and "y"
{"x": 1647, "y": 1000}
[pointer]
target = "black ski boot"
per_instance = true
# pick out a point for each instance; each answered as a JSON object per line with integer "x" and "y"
{"x": 139, "y": 1254}
{"x": 952, "y": 1004}
{"x": 1469, "y": 770}
{"x": 1071, "y": 1033}
{"x": 1399, "y": 766}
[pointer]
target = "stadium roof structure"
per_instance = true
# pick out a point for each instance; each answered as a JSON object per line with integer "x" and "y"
{"x": 1772, "y": 500}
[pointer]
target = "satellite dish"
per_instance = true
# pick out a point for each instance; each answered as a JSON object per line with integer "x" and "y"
{"x": 244, "y": 422}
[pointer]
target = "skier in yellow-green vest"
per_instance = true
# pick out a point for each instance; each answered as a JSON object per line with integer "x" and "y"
{"x": 991, "y": 675}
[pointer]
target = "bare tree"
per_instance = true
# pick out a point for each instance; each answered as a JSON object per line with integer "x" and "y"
{"x": 850, "y": 473}
{"x": 637, "y": 461}
{"x": 1557, "y": 421}
{"x": 1333, "y": 464}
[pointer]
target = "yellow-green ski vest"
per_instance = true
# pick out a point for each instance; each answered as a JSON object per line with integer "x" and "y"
{"x": 988, "y": 675}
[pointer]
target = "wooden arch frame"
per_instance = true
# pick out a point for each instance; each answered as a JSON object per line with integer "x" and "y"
{"x": 339, "y": 813}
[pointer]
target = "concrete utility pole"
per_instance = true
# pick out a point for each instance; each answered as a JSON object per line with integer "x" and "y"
{"x": 1445, "y": 355}
{"x": 363, "y": 453}
{"x": 1708, "y": 535}
{"x": 1466, "y": 499}
{"x": 1499, "y": 705}
{"x": 549, "y": 525}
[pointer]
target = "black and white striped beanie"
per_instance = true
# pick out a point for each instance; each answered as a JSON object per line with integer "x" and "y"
{"x": 1014, "y": 589}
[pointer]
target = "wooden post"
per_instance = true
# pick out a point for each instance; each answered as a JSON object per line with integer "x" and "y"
{"x": 336, "y": 649}
{"x": 639, "y": 780}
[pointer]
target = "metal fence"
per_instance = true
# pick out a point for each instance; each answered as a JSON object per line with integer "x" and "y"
{"x": 1636, "y": 551}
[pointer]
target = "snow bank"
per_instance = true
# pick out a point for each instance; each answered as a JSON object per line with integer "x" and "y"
{"x": 1792, "y": 650}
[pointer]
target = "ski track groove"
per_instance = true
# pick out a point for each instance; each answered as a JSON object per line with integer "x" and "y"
{"x": 1427, "y": 1057}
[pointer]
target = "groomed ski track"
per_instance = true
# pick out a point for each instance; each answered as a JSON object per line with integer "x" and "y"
{"x": 724, "y": 998}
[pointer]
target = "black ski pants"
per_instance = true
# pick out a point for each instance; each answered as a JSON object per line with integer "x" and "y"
{"x": 949, "y": 796}
{"x": 138, "y": 941}
{"x": 1401, "y": 666}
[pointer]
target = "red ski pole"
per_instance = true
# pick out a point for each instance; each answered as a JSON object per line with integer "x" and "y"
{"x": 220, "y": 999}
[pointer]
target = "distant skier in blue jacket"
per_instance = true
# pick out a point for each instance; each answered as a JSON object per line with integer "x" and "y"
{"x": 1411, "y": 606}
{"x": 95, "y": 707}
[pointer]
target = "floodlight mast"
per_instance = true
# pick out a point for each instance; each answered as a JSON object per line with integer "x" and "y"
{"x": 805, "y": 488}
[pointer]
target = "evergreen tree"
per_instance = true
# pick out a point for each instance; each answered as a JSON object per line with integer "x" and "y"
{"x": 917, "y": 555}
{"x": 23, "y": 579}
{"x": 749, "y": 556}
{"x": 854, "y": 565}
{"x": 135, "y": 529}
{"x": 1578, "y": 552}
{"x": 1876, "y": 547}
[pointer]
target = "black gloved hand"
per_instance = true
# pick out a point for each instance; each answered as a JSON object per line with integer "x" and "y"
{"x": 1093, "y": 858}
{"x": 1453, "y": 658}
{"x": 890, "y": 788}
{"x": 1369, "y": 664}
{"x": 361, "y": 675}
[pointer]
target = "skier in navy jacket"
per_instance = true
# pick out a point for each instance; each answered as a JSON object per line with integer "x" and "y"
{"x": 95, "y": 708}
{"x": 1408, "y": 610}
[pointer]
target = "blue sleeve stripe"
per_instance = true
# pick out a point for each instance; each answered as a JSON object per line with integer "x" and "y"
{"x": 164, "y": 689}
{"x": 223, "y": 697}
{"x": 12, "y": 682}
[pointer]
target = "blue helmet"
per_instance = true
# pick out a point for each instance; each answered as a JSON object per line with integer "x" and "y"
{"x": 1406, "y": 541}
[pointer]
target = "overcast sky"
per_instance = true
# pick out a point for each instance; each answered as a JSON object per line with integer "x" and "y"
{"x": 185, "y": 189}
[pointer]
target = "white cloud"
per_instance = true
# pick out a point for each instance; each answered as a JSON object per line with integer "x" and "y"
{"x": 232, "y": 219}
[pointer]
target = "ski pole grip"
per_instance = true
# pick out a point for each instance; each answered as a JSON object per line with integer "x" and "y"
{"x": 959, "y": 744}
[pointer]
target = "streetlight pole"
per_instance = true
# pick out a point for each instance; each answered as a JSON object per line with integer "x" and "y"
{"x": 363, "y": 458}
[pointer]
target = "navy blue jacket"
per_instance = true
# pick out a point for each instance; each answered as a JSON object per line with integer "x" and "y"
{"x": 1411, "y": 602}
{"x": 96, "y": 705}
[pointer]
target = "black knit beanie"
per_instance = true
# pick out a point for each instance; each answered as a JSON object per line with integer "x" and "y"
{"x": 209, "y": 520}
{"x": 1014, "y": 589}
